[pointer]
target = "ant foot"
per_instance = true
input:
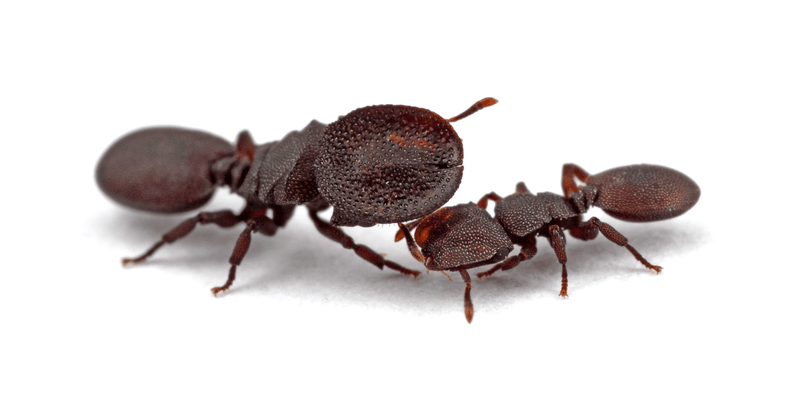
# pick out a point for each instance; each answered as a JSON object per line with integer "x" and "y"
{"x": 483, "y": 275}
{"x": 126, "y": 262}
{"x": 656, "y": 268}
{"x": 219, "y": 291}
{"x": 413, "y": 273}
{"x": 563, "y": 293}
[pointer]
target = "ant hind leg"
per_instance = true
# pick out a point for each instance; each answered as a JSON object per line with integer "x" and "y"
{"x": 224, "y": 219}
{"x": 588, "y": 231}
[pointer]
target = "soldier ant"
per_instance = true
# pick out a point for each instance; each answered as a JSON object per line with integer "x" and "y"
{"x": 377, "y": 164}
{"x": 465, "y": 236}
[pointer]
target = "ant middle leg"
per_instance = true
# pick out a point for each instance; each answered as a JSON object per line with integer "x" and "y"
{"x": 588, "y": 231}
{"x": 336, "y": 234}
{"x": 559, "y": 244}
{"x": 261, "y": 224}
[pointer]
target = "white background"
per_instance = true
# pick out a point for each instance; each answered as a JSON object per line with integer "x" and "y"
{"x": 708, "y": 88}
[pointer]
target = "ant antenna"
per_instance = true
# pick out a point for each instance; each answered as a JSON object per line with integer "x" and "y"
{"x": 485, "y": 102}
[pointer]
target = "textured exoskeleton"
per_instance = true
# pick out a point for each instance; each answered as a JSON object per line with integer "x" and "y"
{"x": 637, "y": 193}
{"x": 377, "y": 164}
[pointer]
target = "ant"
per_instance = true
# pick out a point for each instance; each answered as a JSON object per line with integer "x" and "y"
{"x": 465, "y": 236}
{"x": 377, "y": 164}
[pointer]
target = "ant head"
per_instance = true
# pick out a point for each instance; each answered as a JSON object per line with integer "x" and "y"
{"x": 644, "y": 192}
{"x": 387, "y": 164}
{"x": 161, "y": 169}
{"x": 462, "y": 235}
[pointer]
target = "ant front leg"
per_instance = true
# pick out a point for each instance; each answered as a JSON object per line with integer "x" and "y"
{"x": 336, "y": 234}
{"x": 410, "y": 226}
{"x": 559, "y": 244}
{"x": 527, "y": 251}
{"x": 224, "y": 219}
{"x": 588, "y": 231}
{"x": 261, "y": 224}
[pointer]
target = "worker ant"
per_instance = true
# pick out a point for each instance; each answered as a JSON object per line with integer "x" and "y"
{"x": 465, "y": 236}
{"x": 377, "y": 164}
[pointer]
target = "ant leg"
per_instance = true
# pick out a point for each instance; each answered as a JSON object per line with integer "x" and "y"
{"x": 469, "y": 310}
{"x": 559, "y": 244}
{"x": 410, "y": 226}
{"x": 224, "y": 219}
{"x": 412, "y": 246}
{"x": 569, "y": 173}
{"x": 261, "y": 224}
{"x": 336, "y": 234}
{"x": 485, "y": 200}
{"x": 588, "y": 230}
{"x": 527, "y": 251}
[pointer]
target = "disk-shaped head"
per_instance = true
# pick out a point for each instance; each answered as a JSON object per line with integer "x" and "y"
{"x": 386, "y": 164}
{"x": 462, "y": 235}
{"x": 644, "y": 192}
{"x": 161, "y": 169}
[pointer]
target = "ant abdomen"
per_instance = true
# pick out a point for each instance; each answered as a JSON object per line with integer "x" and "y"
{"x": 644, "y": 192}
{"x": 162, "y": 169}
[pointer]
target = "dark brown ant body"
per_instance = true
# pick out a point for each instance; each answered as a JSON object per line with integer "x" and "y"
{"x": 465, "y": 236}
{"x": 377, "y": 164}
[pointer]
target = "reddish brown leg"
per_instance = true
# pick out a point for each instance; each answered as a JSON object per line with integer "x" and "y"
{"x": 261, "y": 224}
{"x": 559, "y": 244}
{"x": 469, "y": 310}
{"x": 588, "y": 230}
{"x": 569, "y": 173}
{"x": 485, "y": 200}
{"x": 527, "y": 251}
{"x": 410, "y": 226}
{"x": 224, "y": 219}
{"x": 336, "y": 234}
{"x": 412, "y": 246}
